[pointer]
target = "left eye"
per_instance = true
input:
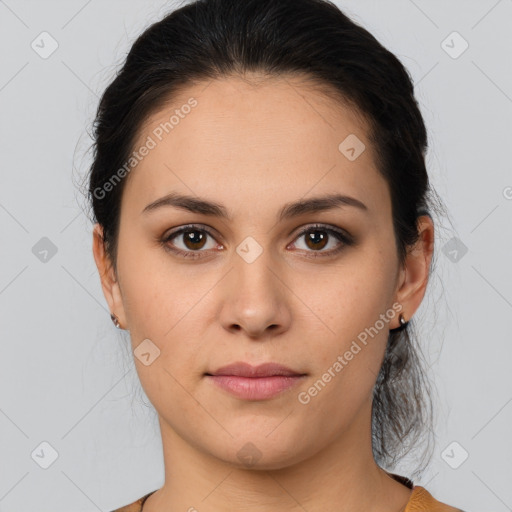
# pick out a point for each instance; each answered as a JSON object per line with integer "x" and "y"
{"x": 193, "y": 240}
{"x": 318, "y": 237}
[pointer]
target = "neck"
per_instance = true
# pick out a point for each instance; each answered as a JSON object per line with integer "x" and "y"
{"x": 343, "y": 473}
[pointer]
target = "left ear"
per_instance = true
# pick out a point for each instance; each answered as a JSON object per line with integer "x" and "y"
{"x": 414, "y": 276}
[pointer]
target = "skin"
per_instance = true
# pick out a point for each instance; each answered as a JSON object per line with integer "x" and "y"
{"x": 254, "y": 146}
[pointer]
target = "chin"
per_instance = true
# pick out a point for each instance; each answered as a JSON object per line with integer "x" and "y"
{"x": 261, "y": 452}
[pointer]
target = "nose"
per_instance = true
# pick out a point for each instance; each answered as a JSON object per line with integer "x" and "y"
{"x": 256, "y": 300}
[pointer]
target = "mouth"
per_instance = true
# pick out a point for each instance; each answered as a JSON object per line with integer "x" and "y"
{"x": 242, "y": 369}
{"x": 261, "y": 382}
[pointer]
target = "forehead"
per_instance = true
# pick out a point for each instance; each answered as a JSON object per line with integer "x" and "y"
{"x": 292, "y": 106}
{"x": 238, "y": 139}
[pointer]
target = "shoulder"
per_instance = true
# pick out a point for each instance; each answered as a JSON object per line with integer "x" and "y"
{"x": 422, "y": 501}
{"x": 136, "y": 506}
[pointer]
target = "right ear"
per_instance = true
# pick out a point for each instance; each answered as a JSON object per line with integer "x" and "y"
{"x": 109, "y": 282}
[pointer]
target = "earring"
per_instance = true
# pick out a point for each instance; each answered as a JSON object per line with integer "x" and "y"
{"x": 403, "y": 324}
{"x": 115, "y": 320}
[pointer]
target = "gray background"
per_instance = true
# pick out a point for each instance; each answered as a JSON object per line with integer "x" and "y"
{"x": 66, "y": 373}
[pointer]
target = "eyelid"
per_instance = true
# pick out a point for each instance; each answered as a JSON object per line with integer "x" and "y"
{"x": 186, "y": 227}
{"x": 325, "y": 227}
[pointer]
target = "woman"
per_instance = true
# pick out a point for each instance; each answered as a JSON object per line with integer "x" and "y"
{"x": 263, "y": 230}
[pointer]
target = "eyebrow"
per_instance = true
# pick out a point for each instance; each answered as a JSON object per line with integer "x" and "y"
{"x": 289, "y": 210}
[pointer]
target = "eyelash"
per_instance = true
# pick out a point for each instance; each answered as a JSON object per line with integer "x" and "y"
{"x": 345, "y": 238}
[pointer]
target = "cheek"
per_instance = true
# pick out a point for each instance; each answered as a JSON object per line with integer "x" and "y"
{"x": 166, "y": 304}
{"x": 156, "y": 308}
{"x": 154, "y": 292}
{"x": 344, "y": 308}
{"x": 162, "y": 310}
{"x": 346, "y": 298}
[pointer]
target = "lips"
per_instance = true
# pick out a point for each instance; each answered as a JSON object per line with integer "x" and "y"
{"x": 247, "y": 382}
{"x": 241, "y": 369}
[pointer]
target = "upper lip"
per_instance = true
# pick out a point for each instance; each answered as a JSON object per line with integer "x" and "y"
{"x": 241, "y": 369}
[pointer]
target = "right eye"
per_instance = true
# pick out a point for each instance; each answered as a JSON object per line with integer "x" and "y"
{"x": 193, "y": 239}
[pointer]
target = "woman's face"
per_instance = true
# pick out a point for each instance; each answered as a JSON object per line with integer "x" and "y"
{"x": 247, "y": 286}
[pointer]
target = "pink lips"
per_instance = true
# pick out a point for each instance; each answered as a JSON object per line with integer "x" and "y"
{"x": 255, "y": 382}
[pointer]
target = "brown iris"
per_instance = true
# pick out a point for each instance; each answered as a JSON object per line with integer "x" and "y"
{"x": 194, "y": 239}
{"x": 316, "y": 237}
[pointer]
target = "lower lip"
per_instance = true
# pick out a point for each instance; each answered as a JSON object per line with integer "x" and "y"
{"x": 255, "y": 388}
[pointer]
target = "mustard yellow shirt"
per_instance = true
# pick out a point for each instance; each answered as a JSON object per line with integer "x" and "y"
{"x": 420, "y": 501}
